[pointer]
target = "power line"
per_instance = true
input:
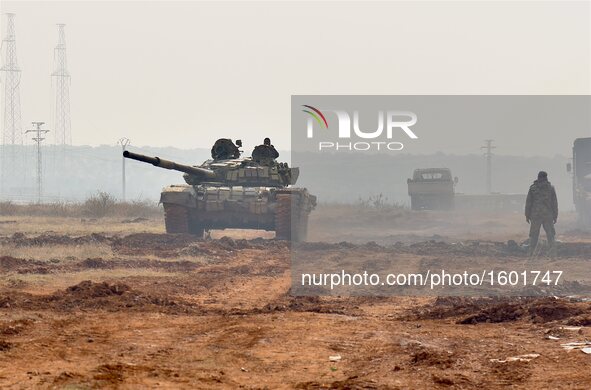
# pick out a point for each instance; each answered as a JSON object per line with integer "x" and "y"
{"x": 11, "y": 127}
{"x": 61, "y": 81}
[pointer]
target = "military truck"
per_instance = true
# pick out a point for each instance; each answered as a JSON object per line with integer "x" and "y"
{"x": 581, "y": 172}
{"x": 432, "y": 189}
{"x": 230, "y": 191}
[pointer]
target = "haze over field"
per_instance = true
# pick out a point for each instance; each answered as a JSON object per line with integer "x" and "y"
{"x": 174, "y": 74}
{"x": 95, "y": 169}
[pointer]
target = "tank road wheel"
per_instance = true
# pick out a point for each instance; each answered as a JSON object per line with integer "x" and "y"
{"x": 283, "y": 217}
{"x": 176, "y": 218}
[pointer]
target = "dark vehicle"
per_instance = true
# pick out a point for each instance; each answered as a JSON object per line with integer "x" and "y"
{"x": 431, "y": 189}
{"x": 581, "y": 171}
{"x": 230, "y": 191}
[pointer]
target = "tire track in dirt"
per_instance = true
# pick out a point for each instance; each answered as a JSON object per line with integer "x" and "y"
{"x": 171, "y": 245}
{"x": 24, "y": 266}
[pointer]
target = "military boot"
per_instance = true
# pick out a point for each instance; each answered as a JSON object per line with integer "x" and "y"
{"x": 533, "y": 243}
{"x": 552, "y": 248}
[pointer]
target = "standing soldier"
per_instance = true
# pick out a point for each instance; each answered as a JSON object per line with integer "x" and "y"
{"x": 541, "y": 209}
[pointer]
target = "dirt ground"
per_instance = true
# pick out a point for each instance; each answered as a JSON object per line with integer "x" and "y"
{"x": 118, "y": 304}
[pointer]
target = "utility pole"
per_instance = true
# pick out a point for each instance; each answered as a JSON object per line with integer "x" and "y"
{"x": 123, "y": 142}
{"x": 488, "y": 156}
{"x": 38, "y": 137}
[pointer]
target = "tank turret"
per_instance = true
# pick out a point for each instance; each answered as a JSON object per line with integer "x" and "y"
{"x": 227, "y": 169}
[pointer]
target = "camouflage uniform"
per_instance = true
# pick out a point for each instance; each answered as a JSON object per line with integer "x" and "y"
{"x": 265, "y": 154}
{"x": 541, "y": 209}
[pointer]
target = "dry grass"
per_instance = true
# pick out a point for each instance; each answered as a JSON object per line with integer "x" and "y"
{"x": 99, "y": 205}
{"x": 68, "y": 252}
{"x": 33, "y": 225}
{"x": 358, "y": 214}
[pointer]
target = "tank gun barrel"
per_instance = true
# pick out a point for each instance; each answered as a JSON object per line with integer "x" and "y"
{"x": 166, "y": 164}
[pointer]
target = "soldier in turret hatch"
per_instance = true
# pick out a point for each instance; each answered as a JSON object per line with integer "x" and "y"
{"x": 541, "y": 209}
{"x": 225, "y": 149}
{"x": 265, "y": 153}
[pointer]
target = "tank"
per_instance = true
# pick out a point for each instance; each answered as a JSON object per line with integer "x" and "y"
{"x": 232, "y": 191}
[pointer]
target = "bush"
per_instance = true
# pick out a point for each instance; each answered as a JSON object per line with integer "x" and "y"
{"x": 99, "y": 205}
{"x": 8, "y": 208}
{"x": 136, "y": 208}
{"x": 379, "y": 202}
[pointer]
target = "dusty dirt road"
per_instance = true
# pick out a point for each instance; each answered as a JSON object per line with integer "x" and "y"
{"x": 89, "y": 305}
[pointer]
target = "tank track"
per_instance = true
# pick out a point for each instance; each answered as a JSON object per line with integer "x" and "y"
{"x": 291, "y": 217}
{"x": 178, "y": 219}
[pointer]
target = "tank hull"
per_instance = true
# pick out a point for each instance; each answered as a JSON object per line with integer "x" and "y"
{"x": 195, "y": 209}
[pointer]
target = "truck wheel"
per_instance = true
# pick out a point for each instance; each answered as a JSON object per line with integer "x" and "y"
{"x": 414, "y": 203}
{"x": 176, "y": 218}
{"x": 451, "y": 204}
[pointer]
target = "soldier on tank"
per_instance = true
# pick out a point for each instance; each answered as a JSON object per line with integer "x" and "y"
{"x": 541, "y": 209}
{"x": 265, "y": 153}
{"x": 225, "y": 149}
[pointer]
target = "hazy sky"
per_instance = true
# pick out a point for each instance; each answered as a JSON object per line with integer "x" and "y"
{"x": 182, "y": 74}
